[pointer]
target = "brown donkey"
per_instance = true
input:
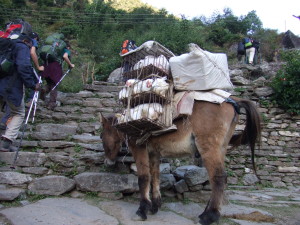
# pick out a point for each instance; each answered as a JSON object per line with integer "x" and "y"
{"x": 209, "y": 130}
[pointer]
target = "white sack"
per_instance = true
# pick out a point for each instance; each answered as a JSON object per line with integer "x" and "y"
{"x": 200, "y": 70}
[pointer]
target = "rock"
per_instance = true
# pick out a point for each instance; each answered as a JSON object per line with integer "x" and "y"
{"x": 196, "y": 175}
{"x": 51, "y": 185}
{"x": 250, "y": 179}
{"x": 58, "y": 211}
{"x": 94, "y": 158}
{"x": 167, "y": 181}
{"x": 35, "y": 170}
{"x": 181, "y": 186}
{"x": 115, "y": 76}
{"x": 180, "y": 171}
{"x": 10, "y": 194}
{"x": 14, "y": 178}
{"x": 293, "y": 169}
{"x": 56, "y": 128}
{"x": 239, "y": 80}
{"x": 25, "y": 159}
{"x": 263, "y": 91}
{"x": 59, "y": 159}
{"x": 125, "y": 212}
{"x": 290, "y": 40}
{"x": 106, "y": 182}
{"x": 289, "y": 133}
{"x": 87, "y": 138}
{"x": 278, "y": 184}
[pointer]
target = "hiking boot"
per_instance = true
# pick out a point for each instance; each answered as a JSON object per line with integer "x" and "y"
{"x": 6, "y": 145}
{"x": 51, "y": 105}
{"x": 2, "y": 126}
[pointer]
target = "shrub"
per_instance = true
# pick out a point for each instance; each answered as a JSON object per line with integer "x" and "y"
{"x": 287, "y": 82}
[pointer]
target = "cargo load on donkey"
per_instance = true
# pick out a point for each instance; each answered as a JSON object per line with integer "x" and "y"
{"x": 153, "y": 74}
{"x": 146, "y": 97}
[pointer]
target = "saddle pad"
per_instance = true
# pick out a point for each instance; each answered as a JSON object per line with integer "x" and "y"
{"x": 183, "y": 102}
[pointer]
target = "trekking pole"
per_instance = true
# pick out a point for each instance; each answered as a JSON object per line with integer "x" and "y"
{"x": 33, "y": 102}
{"x": 36, "y": 95}
{"x": 61, "y": 79}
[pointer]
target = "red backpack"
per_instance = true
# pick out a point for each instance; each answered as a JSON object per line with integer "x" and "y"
{"x": 16, "y": 27}
{"x": 127, "y": 46}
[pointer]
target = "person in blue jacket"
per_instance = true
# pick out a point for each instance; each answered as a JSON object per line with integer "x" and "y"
{"x": 35, "y": 61}
{"x": 12, "y": 91}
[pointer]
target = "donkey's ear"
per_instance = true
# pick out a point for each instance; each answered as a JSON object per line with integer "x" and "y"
{"x": 103, "y": 120}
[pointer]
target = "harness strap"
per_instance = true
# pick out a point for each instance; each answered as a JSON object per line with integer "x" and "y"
{"x": 234, "y": 104}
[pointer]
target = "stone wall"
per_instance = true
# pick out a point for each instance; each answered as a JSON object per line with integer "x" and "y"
{"x": 62, "y": 152}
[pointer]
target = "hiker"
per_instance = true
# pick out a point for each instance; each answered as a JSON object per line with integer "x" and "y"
{"x": 5, "y": 118}
{"x": 251, "y": 47}
{"x": 12, "y": 90}
{"x": 35, "y": 60}
{"x": 35, "y": 42}
{"x": 240, "y": 52}
{"x": 52, "y": 73}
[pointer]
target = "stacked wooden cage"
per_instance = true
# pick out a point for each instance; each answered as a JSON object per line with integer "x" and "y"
{"x": 146, "y": 97}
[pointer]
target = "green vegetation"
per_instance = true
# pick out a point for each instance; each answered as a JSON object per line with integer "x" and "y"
{"x": 287, "y": 82}
{"x": 240, "y": 89}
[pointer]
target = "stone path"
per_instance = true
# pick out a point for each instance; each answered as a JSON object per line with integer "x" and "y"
{"x": 244, "y": 208}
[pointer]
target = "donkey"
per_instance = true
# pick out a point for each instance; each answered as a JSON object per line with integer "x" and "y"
{"x": 208, "y": 131}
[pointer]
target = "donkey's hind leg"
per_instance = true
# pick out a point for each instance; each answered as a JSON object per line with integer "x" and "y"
{"x": 213, "y": 160}
{"x": 141, "y": 157}
{"x": 154, "y": 159}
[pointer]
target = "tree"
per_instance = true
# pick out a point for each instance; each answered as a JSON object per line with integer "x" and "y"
{"x": 252, "y": 22}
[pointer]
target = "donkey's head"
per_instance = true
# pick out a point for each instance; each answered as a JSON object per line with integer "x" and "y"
{"x": 111, "y": 139}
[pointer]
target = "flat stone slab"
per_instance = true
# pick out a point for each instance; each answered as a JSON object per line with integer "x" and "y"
{"x": 54, "y": 211}
{"x": 125, "y": 213}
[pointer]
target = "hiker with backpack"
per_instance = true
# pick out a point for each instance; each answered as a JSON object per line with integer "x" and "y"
{"x": 6, "y": 117}
{"x": 251, "y": 47}
{"x": 53, "y": 72}
{"x": 12, "y": 88}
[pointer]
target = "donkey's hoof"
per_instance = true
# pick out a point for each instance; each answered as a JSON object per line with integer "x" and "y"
{"x": 209, "y": 217}
{"x": 139, "y": 216}
{"x": 156, "y": 204}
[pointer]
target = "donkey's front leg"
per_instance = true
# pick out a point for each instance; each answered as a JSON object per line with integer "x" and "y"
{"x": 154, "y": 159}
{"x": 141, "y": 157}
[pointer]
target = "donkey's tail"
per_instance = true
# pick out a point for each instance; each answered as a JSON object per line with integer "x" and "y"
{"x": 252, "y": 131}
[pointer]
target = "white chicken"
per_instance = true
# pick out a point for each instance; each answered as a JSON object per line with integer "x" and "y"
{"x": 148, "y": 110}
{"x": 123, "y": 117}
{"x": 142, "y": 86}
{"x": 160, "y": 62}
{"x": 131, "y": 82}
{"x": 123, "y": 93}
{"x": 149, "y": 59}
{"x": 160, "y": 86}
